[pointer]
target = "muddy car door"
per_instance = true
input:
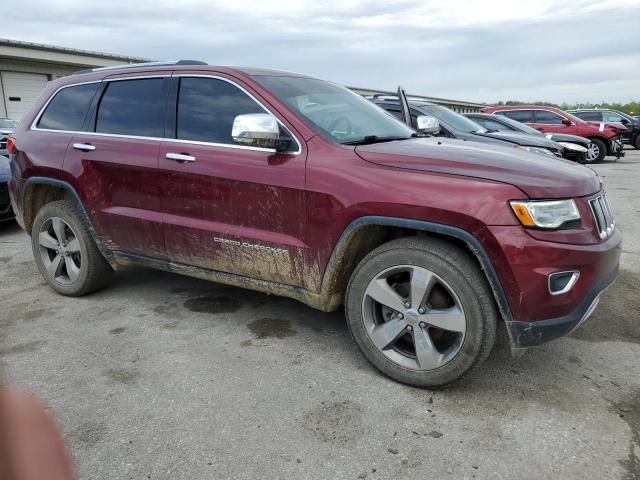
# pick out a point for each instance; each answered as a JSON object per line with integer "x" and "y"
{"x": 229, "y": 207}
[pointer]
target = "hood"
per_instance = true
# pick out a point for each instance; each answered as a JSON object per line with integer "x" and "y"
{"x": 521, "y": 138}
{"x": 536, "y": 175}
{"x": 4, "y": 166}
{"x": 562, "y": 137}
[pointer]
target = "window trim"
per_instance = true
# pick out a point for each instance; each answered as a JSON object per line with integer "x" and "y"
{"x": 34, "y": 124}
{"x": 252, "y": 97}
{"x": 533, "y": 117}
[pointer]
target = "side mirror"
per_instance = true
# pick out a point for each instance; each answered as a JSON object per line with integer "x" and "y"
{"x": 624, "y": 121}
{"x": 258, "y": 130}
{"x": 567, "y": 122}
{"x": 428, "y": 124}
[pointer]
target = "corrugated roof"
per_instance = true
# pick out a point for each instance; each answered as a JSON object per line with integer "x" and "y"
{"x": 54, "y": 48}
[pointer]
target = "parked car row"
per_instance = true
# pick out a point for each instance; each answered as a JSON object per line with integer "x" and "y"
{"x": 299, "y": 187}
{"x": 606, "y": 139}
{"x": 454, "y": 125}
{"x": 575, "y": 147}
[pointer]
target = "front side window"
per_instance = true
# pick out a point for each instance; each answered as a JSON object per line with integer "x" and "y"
{"x": 131, "y": 107}
{"x": 452, "y": 119}
{"x": 611, "y": 117}
{"x": 207, "y": 108}
{"x": 548, "y": 118}
{"x": 523, "y": 116}
{"x": 334, "y": 111}
{"x": 493, "y": 125}
{"x": 589, "y": 116}
{"x": 67, "y": 110}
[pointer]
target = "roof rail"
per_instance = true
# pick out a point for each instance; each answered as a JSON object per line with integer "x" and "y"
{"x": 135, "y": 65}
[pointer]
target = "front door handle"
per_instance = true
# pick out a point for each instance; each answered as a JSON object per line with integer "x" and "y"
{"x": 180, "y": 157}
{"x": 85, "y": 147}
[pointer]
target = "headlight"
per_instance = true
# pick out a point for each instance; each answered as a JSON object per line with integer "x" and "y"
{"x": 545, "y": 214}
{"x": 538, "y": 150}
{"x": 574, "y": 147}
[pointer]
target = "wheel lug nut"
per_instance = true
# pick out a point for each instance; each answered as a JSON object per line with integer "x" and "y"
{"x": 400, "y": 316}
{"x": 422, "y": 324}
{"x": 407, "y": 305}
{"x": 410, "y": 328}
{"x": 421, "y": 310}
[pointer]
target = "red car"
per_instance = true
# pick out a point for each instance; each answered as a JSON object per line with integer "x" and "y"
{"x": 605, "y": 139}
{"x": 298, "y": 187}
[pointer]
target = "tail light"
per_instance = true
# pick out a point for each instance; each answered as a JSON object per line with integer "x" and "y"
{"x": 11, "y": 145}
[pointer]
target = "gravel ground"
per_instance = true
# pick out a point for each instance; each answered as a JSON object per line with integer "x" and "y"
{"x": 166, "y": 377}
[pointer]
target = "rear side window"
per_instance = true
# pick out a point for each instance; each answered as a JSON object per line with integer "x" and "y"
{"x": 131, "y": 107}
{"x": 66, "y": 111}
{"x": 589, "y": 116}
{"x": 548, "y": 118}
{"x": 523, "y": 116}
{"x": 207, "y": 108}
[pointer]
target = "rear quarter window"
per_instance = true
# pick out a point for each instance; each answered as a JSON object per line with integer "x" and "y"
{"x": 68, "y": 108}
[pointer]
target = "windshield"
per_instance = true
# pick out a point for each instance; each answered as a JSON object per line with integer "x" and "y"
{"x": 6, "y": 123}
{"x": 518, "y": 125}
{"x": 335, "y": 111}
{"x": 453, "y": 120}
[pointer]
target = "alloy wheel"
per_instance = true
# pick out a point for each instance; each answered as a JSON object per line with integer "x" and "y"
{"x": 60, "y": 250}
{"x": 413, "y": 317}
{"x": 593, "y": 152}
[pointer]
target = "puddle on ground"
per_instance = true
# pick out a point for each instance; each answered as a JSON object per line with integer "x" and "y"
{"x": 123, "y": 375}
{"x": 216, "y": 304}
{"x": 629, "y": 411}
{"x": 338, "y": 423}
{"x": 271, "y": 328}
{"x": 90, "y": 433}
{"x": 617, "y": 315}
{"x": 22, "y": 348}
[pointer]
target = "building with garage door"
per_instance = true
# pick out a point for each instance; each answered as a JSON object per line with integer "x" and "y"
{"x": 25, "y": 69}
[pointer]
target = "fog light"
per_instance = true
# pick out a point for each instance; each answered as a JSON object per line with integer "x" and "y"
{"x": 562, "y": 282}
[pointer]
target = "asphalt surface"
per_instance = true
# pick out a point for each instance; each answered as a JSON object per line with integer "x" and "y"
{"x": 166, "y": 377}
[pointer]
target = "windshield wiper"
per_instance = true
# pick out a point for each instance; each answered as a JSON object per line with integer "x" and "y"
{"x": 369, "y": 139}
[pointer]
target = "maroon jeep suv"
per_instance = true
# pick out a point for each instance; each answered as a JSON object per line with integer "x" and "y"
{"x": 298, "y": 187}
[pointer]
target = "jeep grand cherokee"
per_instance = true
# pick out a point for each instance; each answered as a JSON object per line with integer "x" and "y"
{"x": 298, "y": 187}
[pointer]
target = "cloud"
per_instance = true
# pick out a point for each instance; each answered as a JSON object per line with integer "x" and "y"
{"x": 562, "y": 50}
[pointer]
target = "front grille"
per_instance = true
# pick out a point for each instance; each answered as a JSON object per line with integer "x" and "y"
{"x": 603, "y": 215}
{"x": 4, "y": 196}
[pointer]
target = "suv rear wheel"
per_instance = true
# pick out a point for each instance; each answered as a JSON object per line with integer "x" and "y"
{"x": 421, "y": 311}
{"x": 597, "y": 151}
{"x": 65, "y": 252}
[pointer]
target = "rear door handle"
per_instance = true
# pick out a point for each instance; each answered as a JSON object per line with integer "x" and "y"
{"x": 85, "y": 147}
{"x": 180, "y": 157}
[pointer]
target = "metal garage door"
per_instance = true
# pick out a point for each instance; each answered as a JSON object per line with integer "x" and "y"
{"x": 21, "y": 90}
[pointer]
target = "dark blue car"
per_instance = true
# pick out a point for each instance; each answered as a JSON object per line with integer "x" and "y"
{"x": 6, "y": 213}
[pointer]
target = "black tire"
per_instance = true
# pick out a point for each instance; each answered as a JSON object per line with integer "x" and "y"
{"x": 461, "y": 272}
{"x": 93, "y": 272}
{"x": 636, "y": 142}
{"x": 601, "y": 148}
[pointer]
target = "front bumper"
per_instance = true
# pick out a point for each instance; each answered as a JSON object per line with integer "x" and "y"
{"x": 524, "y": 265}
{"x": 528, "y": 334}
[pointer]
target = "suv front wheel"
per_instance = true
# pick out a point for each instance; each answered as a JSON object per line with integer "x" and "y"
{"x": 65, "y": 252}
{"x": 421, "y": 311}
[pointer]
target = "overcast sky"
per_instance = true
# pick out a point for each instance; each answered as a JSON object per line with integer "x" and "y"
{"x": 556, "y": 50}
